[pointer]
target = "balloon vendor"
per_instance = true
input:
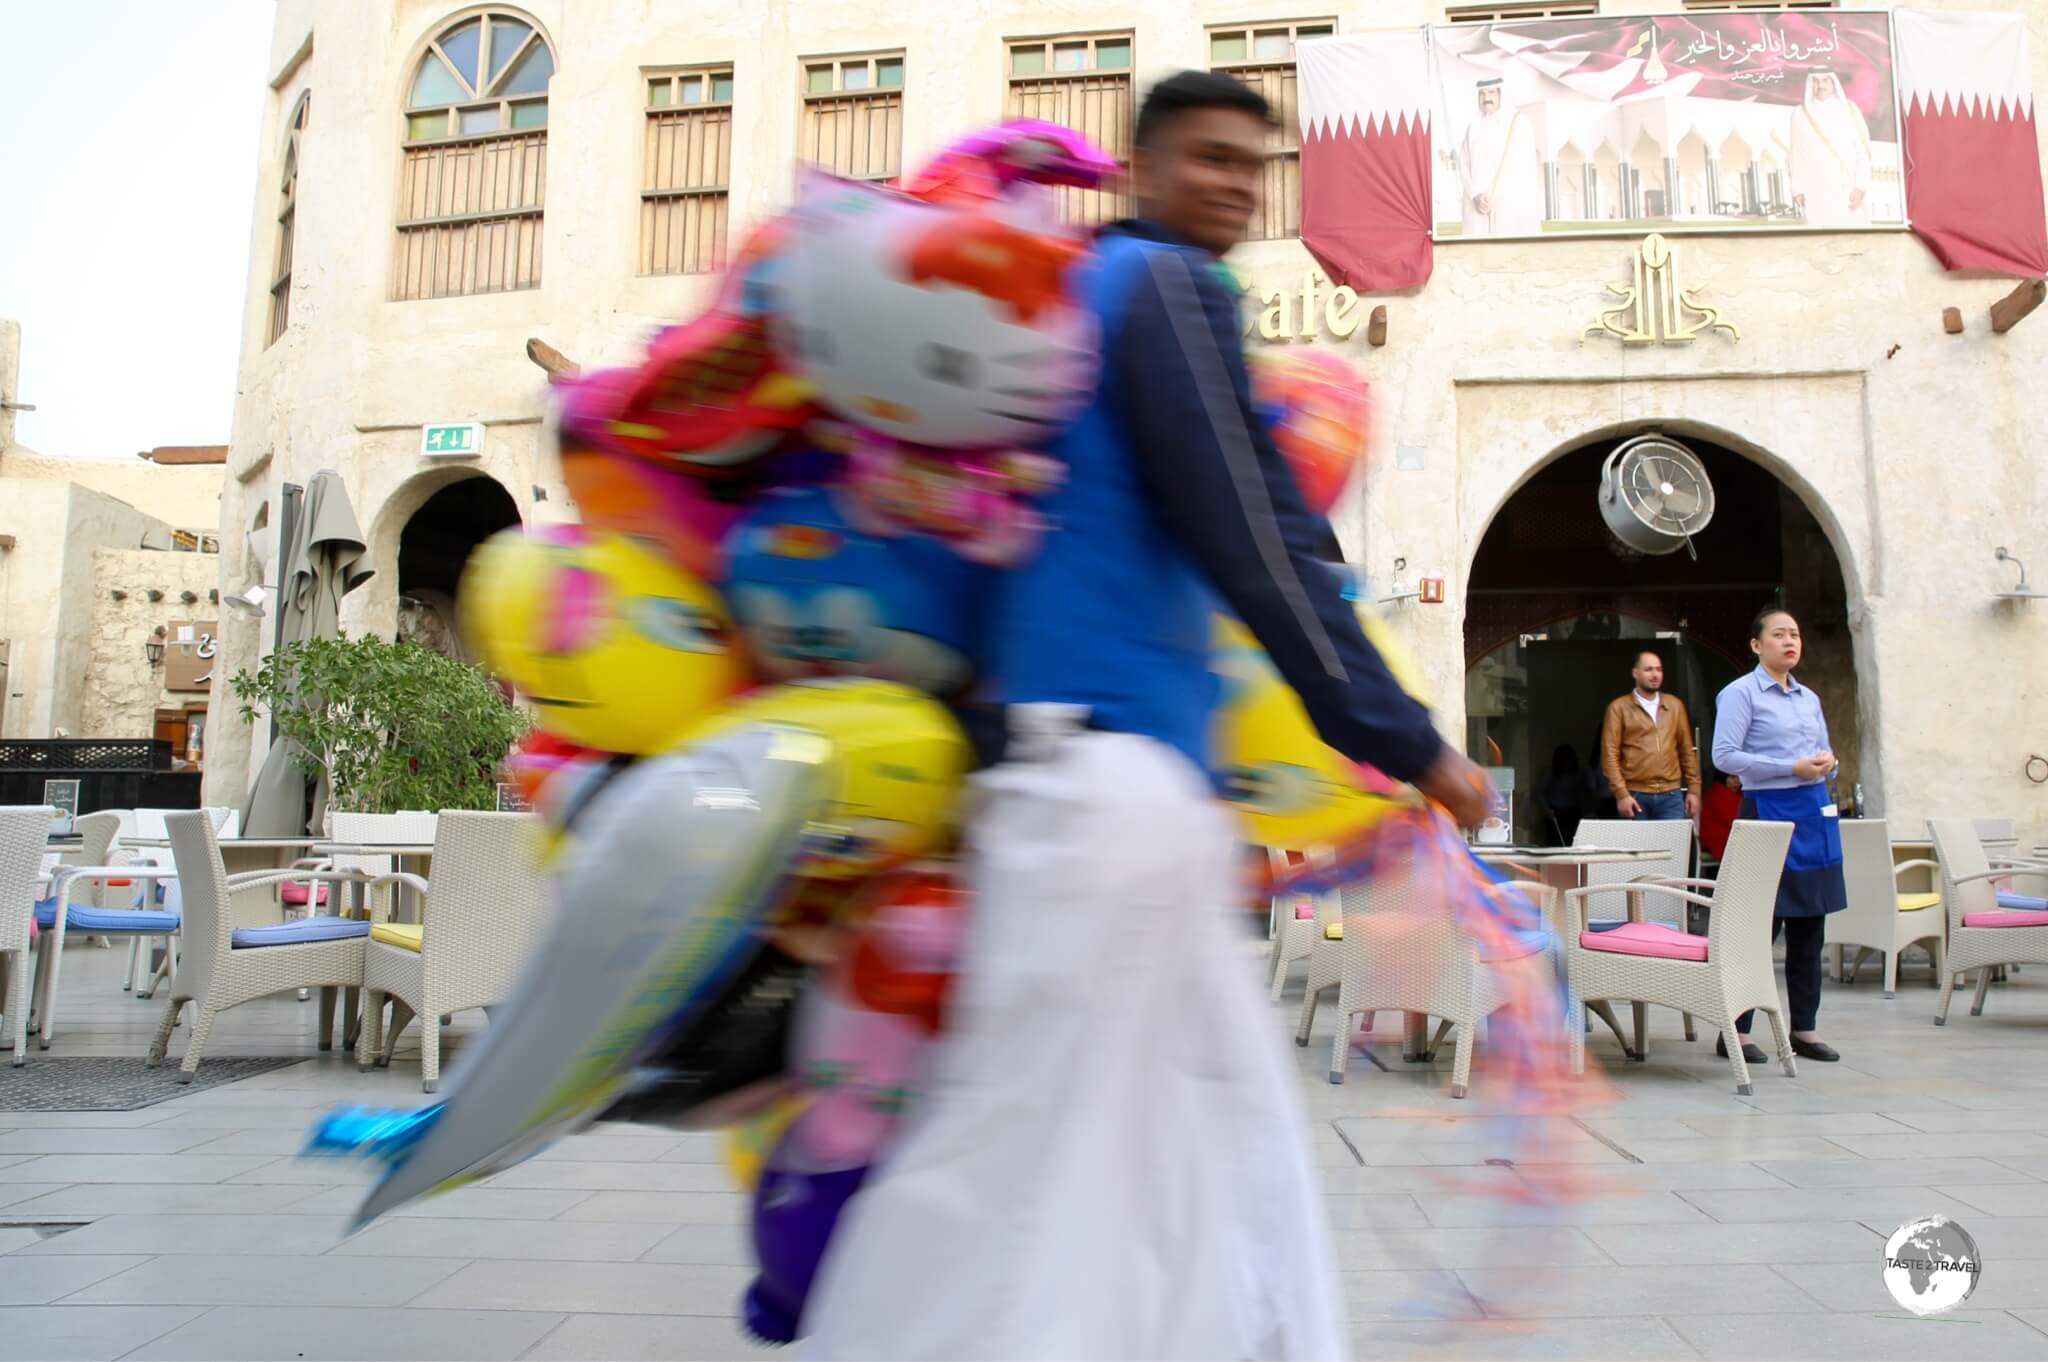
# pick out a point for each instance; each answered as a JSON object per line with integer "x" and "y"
{"x": 974, "y": 1013}
{"x": 1108, "y": 1153}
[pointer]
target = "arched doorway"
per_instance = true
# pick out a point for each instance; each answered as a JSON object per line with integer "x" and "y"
{"x": 434, "y": 546}
{"x": 1557, "y": 608}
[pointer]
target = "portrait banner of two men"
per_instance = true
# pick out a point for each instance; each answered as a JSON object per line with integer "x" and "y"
{"x": 1770, "y": 121}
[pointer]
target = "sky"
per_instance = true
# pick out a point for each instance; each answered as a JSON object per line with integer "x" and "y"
{"x": 129, "y": 134}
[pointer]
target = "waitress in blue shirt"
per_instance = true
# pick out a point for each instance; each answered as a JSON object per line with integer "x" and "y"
{"x": 1769, "y": 731}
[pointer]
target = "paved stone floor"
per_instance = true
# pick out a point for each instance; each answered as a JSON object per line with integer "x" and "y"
{"x": 1731, "y": 1228}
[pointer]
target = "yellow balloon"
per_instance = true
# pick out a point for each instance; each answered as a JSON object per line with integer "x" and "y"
{"x": 748, "y": 1144}
{"x": 615, "y": 647}
{"x": 901, "y": 761}
{"x": 1291, "y": 788}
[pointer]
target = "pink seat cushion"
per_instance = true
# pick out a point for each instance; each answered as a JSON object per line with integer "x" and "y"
{"x": 295, "y": 894}
{"x": 2030, "y": 918}
{"x": 1647, "y": 938}
{"x": 1304, "y": 911}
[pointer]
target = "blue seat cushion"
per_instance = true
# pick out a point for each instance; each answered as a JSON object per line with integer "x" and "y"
{"x": 2028, "y": 902}
{"x": 297, "y": 933}
{"x": 79, "y": 918}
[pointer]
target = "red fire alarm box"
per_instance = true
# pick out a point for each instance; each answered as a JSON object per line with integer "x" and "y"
{"x": 1432, "y": 591}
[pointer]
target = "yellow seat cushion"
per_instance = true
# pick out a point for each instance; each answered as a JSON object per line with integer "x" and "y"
{"x": 1908, "y": 903}
{"x": 404, "y": 935}
{"x": 1334, "y": 932}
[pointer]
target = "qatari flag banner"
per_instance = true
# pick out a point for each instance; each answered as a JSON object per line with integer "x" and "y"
{"x": 1973, "y": 165}
{"x": 1364, "y": 105}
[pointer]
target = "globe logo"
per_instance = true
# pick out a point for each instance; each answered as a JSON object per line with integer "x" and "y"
{"x": 1931, "y": 1265}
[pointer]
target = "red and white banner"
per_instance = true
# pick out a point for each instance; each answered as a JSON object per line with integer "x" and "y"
{"x": 1973, "y": 164}
{"x": 1364, "y": 101}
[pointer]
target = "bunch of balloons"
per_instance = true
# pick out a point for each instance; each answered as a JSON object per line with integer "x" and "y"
{"x": 790, "y": 508}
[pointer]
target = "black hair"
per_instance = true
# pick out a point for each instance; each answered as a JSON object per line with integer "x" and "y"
{"x": 1188, "y": 91}
{"x": 1763, "y": 617}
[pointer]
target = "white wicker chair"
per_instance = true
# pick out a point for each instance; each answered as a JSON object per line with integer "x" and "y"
{"x": 221, "y": 967}
{"x": 1981, "y": 935}
{"x": 1673, "y": 837}
{"x": 1879, "y": 917}
{"x": 1737, "y": 973}
{"x": 96, "y": 834}
{"x": 1436, "y": 972}
{"x": 1999, "y": 837}
{"x": 148, "y": 824}
{"x": 1297, "y": 936}
{"x": 68, "y": 908}
{"x": 24, "y": 830}
{"x": 483, "y": 913}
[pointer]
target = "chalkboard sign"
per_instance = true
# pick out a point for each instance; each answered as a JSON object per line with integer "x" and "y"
{"x": 63, "y": 794}
{"x": 510, "y": 800}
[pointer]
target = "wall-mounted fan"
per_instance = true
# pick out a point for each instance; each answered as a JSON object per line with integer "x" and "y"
{"x": 1654, "y": 495}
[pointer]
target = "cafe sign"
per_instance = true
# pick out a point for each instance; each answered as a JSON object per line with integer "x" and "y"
{"x": 188, "y": 661}
{"x": 1301, "y": 311}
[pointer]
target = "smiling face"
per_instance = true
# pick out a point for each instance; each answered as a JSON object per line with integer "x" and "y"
{"x": 940, "y": 326}
{"x": 1203, "y": 174}
{"x": 815, "y": 597}
{"x": 614, "y": 648}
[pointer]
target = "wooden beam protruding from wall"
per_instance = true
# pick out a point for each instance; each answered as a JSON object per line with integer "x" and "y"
{"x": 557, "y": 364}
{"x": 2007, "y": 311}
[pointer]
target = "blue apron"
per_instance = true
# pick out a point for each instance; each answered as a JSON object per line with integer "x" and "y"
{"x": 1812, "y": 885}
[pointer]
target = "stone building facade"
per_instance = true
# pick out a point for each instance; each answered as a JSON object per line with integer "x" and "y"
{"x": 1878, "y": 460}
{"x": 73, "y": 532}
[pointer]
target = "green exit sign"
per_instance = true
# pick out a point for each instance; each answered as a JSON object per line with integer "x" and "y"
{"x": 453, "y": 440}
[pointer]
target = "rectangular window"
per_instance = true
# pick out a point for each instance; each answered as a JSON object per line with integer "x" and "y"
{"x": 1502, "y": 14}
{"x": 1262, "y": 56}
{"x": 470, "y": 208}
{"x": 684, "y": 187}
{"x": 852, "y": 121}
{"x": 1080, "y": 81}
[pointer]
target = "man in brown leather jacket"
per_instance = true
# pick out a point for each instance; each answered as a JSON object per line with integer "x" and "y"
{"x": 1646, "y": 749}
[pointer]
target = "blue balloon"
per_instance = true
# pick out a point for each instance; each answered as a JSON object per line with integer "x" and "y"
{"x": 814, "y": 596}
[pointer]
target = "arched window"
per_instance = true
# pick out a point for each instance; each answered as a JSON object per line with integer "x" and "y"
{"x": 469, "y": 204}
{"x": 287, "y": 211}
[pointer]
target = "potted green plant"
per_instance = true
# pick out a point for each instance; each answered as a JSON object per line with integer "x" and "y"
{"x": 392, "y": 725}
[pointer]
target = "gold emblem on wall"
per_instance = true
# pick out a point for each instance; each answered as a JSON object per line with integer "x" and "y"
{"x": 1655, "y": 308}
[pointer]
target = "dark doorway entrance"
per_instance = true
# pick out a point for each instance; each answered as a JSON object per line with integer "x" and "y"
{"x": 432, "y": 550}
{"x": 1557, "y": 609}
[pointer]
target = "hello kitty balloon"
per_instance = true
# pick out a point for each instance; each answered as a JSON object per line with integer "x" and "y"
{"x": 946, "y": 325}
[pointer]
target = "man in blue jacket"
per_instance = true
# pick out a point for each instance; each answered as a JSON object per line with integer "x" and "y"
{"x": 1111, "y": 1161}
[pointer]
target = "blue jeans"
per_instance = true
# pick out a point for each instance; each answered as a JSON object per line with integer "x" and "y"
{"x": 1667, "y": 807}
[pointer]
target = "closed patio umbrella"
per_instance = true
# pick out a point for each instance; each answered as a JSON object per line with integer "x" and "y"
{"x": 322, "y": 563}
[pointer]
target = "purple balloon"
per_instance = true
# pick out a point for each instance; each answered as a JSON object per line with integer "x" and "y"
{"x": 795, "y": 1212}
